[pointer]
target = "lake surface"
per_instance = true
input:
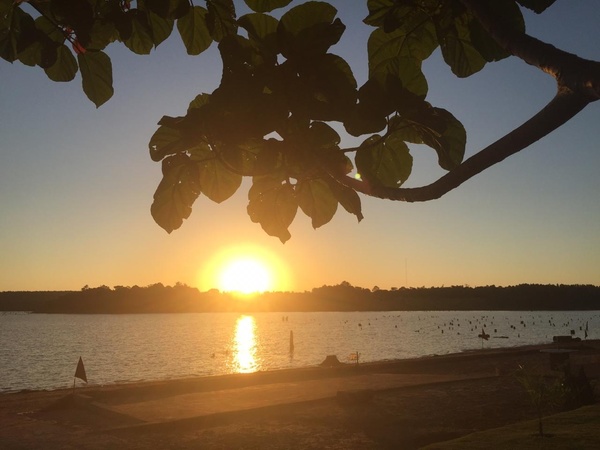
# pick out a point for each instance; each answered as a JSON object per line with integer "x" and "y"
{"x": 40, "y": 351}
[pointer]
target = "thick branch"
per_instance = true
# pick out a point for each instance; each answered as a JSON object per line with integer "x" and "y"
{"x": 560, "y": 110}
{"x": 578, "y": 74}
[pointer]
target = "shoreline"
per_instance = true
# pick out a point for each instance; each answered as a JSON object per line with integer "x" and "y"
{"x": 317, "y": 371}
{"x": 405, "y": 403}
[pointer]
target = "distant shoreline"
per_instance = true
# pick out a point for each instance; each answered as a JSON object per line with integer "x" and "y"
{"x": 344, "y": 297}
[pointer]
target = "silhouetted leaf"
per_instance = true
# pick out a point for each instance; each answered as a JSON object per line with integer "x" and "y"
{"x": 316, "y": 201}
{"x": 273, "y": 205}
{"x": 166, "y": 141}
{"x": 140, "y": 40}
{"x": 102, "y": 34}
{"x": 199, "y": 101}
{"x": 262, "y": 29}
{"x": 242, "y": 157}
{"x": 17, "y": 32}
{"x": 176, "y": 193}
{"x": 457, "y": 47}
{"x": 348, "y": 198}
{"x": 309, "y": 29}
{"x": 96, "y": 75}
{"x": 262, "y": 6}
{"x": 160, "y": 27}
{"x": 538, "y": 6}
{"x": 416, "y": 43}
{"x": 49, "y": 29}
{"x": 65, "y": 67}
{"x": 450, "y": 146}
{"x": 438, "y": 129}
{"x": 221, "y": 19}
{"x": 325, "y": 88}
{"x": 378, "y": 10}
{"x": 216, "y": 181}
{"x": 193, "y": 30}
{"x": 168, "y": 9}
{"x": 387, "y": 162}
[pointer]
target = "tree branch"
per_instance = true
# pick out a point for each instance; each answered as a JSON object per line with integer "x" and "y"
{"x": 578, "y": 74}
{"x": 565, "y": 105}
{"x": 578, "y": 82}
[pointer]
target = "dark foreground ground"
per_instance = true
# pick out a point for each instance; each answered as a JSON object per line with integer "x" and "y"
{"x": 395, "y": 405}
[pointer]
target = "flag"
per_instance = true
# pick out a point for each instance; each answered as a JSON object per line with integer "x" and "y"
{"x": 80, "y": 371}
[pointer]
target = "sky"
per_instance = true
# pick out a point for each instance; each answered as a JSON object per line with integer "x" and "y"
{"x": 76, "y": 183}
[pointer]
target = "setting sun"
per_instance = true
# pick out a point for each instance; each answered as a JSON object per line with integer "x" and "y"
{"x": 245, "y": 276}
{"x": 244, "y": 269}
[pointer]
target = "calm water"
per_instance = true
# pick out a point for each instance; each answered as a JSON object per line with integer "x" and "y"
{"x": 39, "y": 351}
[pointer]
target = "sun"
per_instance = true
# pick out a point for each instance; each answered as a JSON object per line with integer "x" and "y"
{"x": 244, "y": 269}
{"x": 245, "y": 276}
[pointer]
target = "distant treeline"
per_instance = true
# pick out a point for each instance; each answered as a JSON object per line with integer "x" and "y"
{"x": 157, "y": 298}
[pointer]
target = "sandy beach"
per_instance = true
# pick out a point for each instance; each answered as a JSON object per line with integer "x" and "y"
{"x": 397, "y": 404}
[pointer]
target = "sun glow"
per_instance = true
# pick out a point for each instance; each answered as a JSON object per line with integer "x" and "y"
{"x": 244, "y": 269}
{"x": 246, "y": 276}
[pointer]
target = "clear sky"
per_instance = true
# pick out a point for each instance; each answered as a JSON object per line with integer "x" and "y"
{"x": 76, "y": 182}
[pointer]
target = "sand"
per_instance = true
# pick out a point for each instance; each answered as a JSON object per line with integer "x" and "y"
{"x": 398, "y": 404}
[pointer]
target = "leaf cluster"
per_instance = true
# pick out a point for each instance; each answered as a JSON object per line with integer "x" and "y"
{"x": 282, "y": 91}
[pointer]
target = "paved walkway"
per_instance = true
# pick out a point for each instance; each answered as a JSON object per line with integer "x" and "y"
{"x": 197, "y": 404}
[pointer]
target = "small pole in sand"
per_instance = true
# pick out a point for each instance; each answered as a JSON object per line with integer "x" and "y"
{"x": 291, "y": 342}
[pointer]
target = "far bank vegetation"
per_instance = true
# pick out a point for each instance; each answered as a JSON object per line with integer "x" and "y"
{"x": 158, "y": 298}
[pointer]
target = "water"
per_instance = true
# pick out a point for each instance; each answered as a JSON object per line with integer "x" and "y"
{"x": 40, "y": 351}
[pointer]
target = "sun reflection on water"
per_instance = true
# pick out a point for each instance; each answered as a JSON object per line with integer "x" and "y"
{"x": 245, "y": 345}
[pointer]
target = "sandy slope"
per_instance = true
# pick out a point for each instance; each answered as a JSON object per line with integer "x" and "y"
{"x": 401, "y": 404}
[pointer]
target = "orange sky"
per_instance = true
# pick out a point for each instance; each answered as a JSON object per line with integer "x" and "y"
{"x": 76, "y": 184}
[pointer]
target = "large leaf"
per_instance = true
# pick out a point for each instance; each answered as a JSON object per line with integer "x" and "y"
{"x": 221, "y": 19}
{"x": 160, "y": 27}
{"x": 266, "y": 5}
{"x": 348, "y": 198}
{"x": 96, "y": 75}
{"x": 49, "y": 29}
{"x": 316, "y": 201}
{"x": 193, "y": 30}
{"x": 176, "y": 193}
{"x": 455, "y": 40}
{"x": 273, "y": 205}
{"x": 450, "y": 145}
{"x": 438, "y": 129}
{"x": 325, "y": 89}
{"x": 417, "y": 42}
{"x": 65, "y": 67}
{"x": 217, "y": 182}
{"x": 17, "y": 32}
{"x": 387, "y": 162}
{"x": 140, "y": 40}
{"x": 199, "y": 101}
{"x": 262, "y": 29}
{"x": 378, "y": 11}
{"x": 309, "y": 29}
{"x": 166, "y": 141}
{"x": 102, "y": 33}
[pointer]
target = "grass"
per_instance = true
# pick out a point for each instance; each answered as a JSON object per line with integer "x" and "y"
{"x": 573, "y": 430}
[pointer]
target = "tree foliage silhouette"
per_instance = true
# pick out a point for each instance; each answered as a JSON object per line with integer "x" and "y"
{"x": 282, "y": 88}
